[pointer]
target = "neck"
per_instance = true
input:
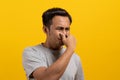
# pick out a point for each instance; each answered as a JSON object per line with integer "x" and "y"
{"x": 48, "y": 45}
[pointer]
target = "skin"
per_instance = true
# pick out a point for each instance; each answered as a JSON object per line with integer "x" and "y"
{"x": 60, "y": 26}
{"x": 56, "y": 38}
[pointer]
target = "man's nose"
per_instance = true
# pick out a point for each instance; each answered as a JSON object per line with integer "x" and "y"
{"x": 64, "y": 32}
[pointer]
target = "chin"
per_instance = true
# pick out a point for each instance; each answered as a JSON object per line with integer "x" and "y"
{"x": 58, "y": 46}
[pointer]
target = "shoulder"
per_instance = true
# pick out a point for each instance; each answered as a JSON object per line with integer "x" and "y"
{"x": 76, "y": 57}
{"x": 32, "y": 50}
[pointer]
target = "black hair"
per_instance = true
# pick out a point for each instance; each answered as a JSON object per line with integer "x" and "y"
{"x": 52, "y": 12}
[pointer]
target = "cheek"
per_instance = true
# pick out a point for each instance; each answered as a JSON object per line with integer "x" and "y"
{"x": 54, "y": 35}
{"x": 58, "y": 34}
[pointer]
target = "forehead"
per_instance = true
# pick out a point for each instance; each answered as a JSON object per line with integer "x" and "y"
{"x": 61, "y": 21}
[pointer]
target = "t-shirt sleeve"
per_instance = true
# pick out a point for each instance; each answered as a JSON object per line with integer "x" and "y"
{"x": 79, "y": 74}
{"x": 32, "y": 59}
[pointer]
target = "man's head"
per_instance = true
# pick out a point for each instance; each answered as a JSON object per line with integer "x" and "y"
{"x": 51, "y": 13}
{"x": 56, "y": 22}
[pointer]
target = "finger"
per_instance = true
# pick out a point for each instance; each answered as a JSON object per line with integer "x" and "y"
{"x": 66, "y": 36}
{"x": 63, "y": 36}
{"x": 60, "y": 36}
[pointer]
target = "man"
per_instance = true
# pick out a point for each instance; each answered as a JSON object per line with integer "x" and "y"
{"x": 49, "y": 60}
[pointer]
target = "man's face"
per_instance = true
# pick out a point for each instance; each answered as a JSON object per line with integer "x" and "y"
{"x": 60, "y": 25}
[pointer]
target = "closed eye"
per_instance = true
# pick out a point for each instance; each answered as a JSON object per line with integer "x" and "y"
{"x": 67, "y": 29}
{"x": 62, "y": 28}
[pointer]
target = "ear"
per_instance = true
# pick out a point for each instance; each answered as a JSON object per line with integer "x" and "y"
{"x": 45, "y": 29}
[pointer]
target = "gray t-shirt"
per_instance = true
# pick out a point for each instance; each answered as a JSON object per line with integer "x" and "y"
{"x": 39, "y": 56}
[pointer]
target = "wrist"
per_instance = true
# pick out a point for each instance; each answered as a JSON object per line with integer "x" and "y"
{"x": 70, "y": 49}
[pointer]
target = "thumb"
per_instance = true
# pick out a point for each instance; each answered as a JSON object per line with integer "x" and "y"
{"x": 63, "y": 37}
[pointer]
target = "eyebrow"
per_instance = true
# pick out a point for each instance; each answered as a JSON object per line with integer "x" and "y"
{"x": 62, "y": 27}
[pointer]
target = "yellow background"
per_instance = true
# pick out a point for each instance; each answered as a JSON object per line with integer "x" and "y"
{"x": 96, "y": 26}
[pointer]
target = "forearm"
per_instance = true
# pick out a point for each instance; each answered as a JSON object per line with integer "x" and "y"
{"x": 55, "y": 71}
{"x": 60, "y": 65}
